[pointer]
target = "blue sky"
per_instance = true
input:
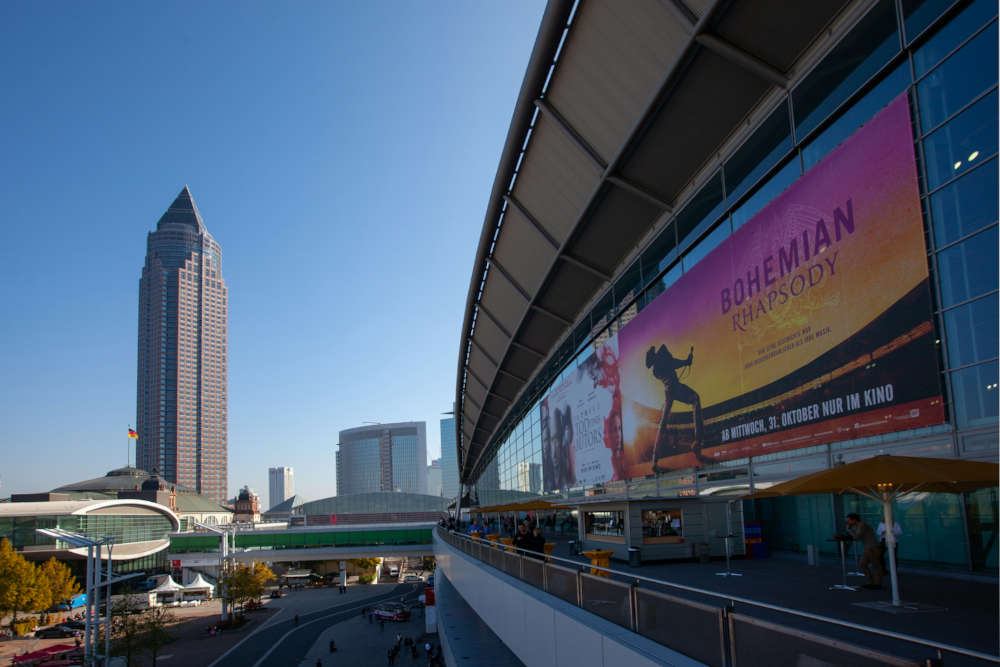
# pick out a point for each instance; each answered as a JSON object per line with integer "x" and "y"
{"x": 341, "y": 153}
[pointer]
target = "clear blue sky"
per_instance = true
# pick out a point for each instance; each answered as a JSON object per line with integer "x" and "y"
{"x": 342, "y": 153}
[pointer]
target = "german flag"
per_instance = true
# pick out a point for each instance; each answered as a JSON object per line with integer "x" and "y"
{"x": 132, "y": 433}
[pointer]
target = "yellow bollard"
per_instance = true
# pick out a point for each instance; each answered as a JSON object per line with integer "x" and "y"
{"x": 549, "y": 546}
{"x": 509, "y": 542}
{"x": 600, "y": 558}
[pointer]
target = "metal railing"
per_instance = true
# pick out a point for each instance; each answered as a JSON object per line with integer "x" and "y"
{"x": 715, "y": 635}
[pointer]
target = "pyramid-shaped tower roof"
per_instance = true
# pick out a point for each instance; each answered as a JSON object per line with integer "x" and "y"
{"x": 183, "y": 212}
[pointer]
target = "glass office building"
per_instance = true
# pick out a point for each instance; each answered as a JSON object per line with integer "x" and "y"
{"x": 675, "y": 183}
{"x": 382, "y": 457}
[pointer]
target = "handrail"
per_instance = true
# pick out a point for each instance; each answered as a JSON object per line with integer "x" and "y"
{"x": 765, "y": 605}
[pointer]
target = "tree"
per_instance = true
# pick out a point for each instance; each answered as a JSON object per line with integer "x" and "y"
{"x": 126, "y": 620}
{"x": 154, "y": 626}
{"x": 57, "y": 582}
{"x": 19, "y": 583}
{"x": 243, "y": 583}
{"x": 260, "y": 575}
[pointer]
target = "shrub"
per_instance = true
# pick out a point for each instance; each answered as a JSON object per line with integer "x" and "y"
{"x": 366, "y": 578}
{"x": 24, "y": 627}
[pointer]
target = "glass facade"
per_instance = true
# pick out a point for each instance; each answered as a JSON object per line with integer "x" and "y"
{"x": 382, "y": 457}
{"x": 944, "y": 57}
{"x": 449, "y": 459}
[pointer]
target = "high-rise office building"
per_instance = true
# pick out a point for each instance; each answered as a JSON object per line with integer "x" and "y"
{"x": 434, "y": 478}
{"x": 449, "y": 459}
{"x": 383, "y": 457}
{"x": 181, "y": 402}
{"x": 281, "y": 485}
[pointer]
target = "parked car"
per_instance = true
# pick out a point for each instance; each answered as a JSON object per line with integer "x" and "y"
{"x": 412, "y": 577}
{"x": 392, "y": 611}
{"x": 393, "y": 571}
{"x": 75, "y": 625}
{"x": 275, "y": 594}
{"x": 56, "y": 631}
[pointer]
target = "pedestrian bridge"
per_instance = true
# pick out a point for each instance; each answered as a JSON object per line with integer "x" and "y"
{"x": 305, "y": 543}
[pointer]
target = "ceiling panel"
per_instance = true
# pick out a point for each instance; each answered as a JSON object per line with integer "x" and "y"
{"x": 503, "y": 300}
{"x": 712, "y": 96}
{"x": 539, "y": 331}
{"x": 618, "y": 222}
{"x": 776, "y": 31}
{"x": 555, "y": 179}
{"x": 569, "y": 290}
{"x": 481, "y": 366}
{"x": 521, "y": 362}
{"x": 612, "y": 63}
{"x": 523, "y": 251}
{"x": 488, "y": 334}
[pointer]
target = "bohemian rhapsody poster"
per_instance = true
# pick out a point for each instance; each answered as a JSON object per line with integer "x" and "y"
{"x": 809, "y": 324}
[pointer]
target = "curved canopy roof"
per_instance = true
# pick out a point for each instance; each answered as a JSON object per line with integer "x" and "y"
{"x": 622, "y": 106}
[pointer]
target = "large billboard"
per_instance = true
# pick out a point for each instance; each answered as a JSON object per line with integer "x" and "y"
{"x": 809, "y": 324}
{"x": 581, "y": 424}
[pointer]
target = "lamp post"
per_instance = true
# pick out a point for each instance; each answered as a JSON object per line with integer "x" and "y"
{"x": 93, "y": 586}
{"x": 223, "y": 534}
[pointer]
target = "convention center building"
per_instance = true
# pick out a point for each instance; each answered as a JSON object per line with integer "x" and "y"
{"x": 732, "y": 243}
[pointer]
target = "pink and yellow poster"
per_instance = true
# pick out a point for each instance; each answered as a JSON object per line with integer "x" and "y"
{"x": 810, "y": 324}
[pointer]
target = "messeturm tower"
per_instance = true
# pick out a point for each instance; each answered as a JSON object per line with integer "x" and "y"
{"x": 181, "y": 401}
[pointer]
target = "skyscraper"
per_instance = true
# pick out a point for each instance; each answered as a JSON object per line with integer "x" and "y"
{"x": 383, "y": 457}
{"x": 181, "y": 402}
{"x": 449, "y": 459}
{"x": 281, "y": 485}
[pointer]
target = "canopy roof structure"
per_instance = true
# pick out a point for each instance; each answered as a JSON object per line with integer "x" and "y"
{"x": 894, "y": 474}
{"x": 529, "y": 506}
{"x": 168, "y": 585}
{"x": 199, "y": 584}
{"x": 623, "y": 108}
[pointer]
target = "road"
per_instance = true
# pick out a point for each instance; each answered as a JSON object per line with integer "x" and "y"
{"x": 280, "y": 642}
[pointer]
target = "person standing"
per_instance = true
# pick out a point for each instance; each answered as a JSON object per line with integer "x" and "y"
{"x": 897, "y": 531}
{"x": 871, "y": 556}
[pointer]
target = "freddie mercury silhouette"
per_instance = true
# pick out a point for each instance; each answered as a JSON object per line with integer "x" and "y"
{"x": 664, "y": 367}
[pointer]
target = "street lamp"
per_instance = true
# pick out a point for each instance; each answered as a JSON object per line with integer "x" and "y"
{"x": 93, "y": 605}
{"x": 223, "y": 533}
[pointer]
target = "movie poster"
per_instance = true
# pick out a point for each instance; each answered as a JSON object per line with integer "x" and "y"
{"x": 581, "y": 424}
{"x": 810, "y": 324}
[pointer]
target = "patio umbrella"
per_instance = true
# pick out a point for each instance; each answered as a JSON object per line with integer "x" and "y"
{"x": 885, "y": 477}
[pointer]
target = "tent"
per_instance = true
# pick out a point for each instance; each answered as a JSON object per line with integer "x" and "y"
{"x": 885, "y": 477}
{"x": 168, "y": 590}
{"x": 199, "y": 589}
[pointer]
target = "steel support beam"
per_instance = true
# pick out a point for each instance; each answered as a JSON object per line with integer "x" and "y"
{"x": 597, "y": 273}
{"x": 513, "y": 201}
{"x": 640, "y": 193}
{"x": 513, "y": 283}
{"x": 570, "y": 133}
{"x": 522, "y": 346}
{"x": 741, "y": 58}
{"x": 495, "y": 321}
{"x": 548, "y": 313}
{"x": 485, "y": 353}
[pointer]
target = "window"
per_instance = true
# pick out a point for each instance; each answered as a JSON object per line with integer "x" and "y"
{"x": 768, "y": 144}
{"x": 966, "y": 205}
{"x": 958, "y": 80}
{"x": 661, "y": 523}
{"x": 972, "y": 330}
{"x": 605, "y": 524}
{"x": 861, "y": 54}
{"x": 957, "y": 147}
{"x": 969, "y": 268}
